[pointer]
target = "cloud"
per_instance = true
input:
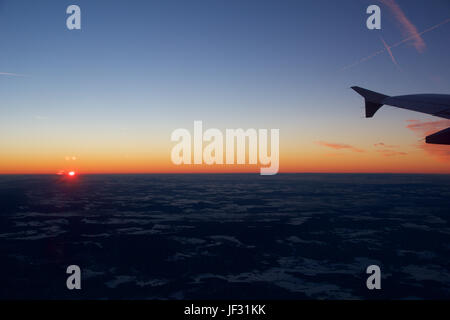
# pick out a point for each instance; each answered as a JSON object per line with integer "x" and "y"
{"x": 382, "y": 144}
{"x": 408, "y": 29}
{"x": 339, "y": 146}
{"x": 425, "y": 128}
{"x": 388, "y": 150}
{"x": 391, "y": 153}
{"x": 439, "y": 152}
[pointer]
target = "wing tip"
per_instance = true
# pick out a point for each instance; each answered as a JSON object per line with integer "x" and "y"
{"x": 373, "y": 100}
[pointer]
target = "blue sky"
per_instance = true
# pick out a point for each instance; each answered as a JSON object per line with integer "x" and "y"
{"x": 148, "y": 67}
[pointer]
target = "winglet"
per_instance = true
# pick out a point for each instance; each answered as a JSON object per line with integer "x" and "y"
{"x": 374, "y": 100}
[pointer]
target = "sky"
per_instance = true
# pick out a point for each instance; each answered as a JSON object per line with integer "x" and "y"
{"x": 105, "y": 99}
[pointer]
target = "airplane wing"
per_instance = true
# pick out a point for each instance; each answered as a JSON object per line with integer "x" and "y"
{"x": 434, "y": 104}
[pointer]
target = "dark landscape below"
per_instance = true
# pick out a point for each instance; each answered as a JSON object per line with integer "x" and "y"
{"x": 239, "y": 236}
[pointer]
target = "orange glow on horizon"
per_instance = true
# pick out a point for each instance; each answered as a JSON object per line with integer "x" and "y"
{"x": 295, "y": 157}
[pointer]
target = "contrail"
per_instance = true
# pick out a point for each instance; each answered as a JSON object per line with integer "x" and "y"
{"x": 395, "y": 45}
{"x": 405, "y": 24}
{"x": 13, "y": 74}
{"x": 390, "y": 53}
{"x": 421, "y": 33}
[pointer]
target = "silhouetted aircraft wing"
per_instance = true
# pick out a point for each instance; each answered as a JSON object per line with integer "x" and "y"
{"x": 435, "y": 104}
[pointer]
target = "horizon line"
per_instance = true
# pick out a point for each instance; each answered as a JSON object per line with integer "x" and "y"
{"x": 225, "y": 173}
